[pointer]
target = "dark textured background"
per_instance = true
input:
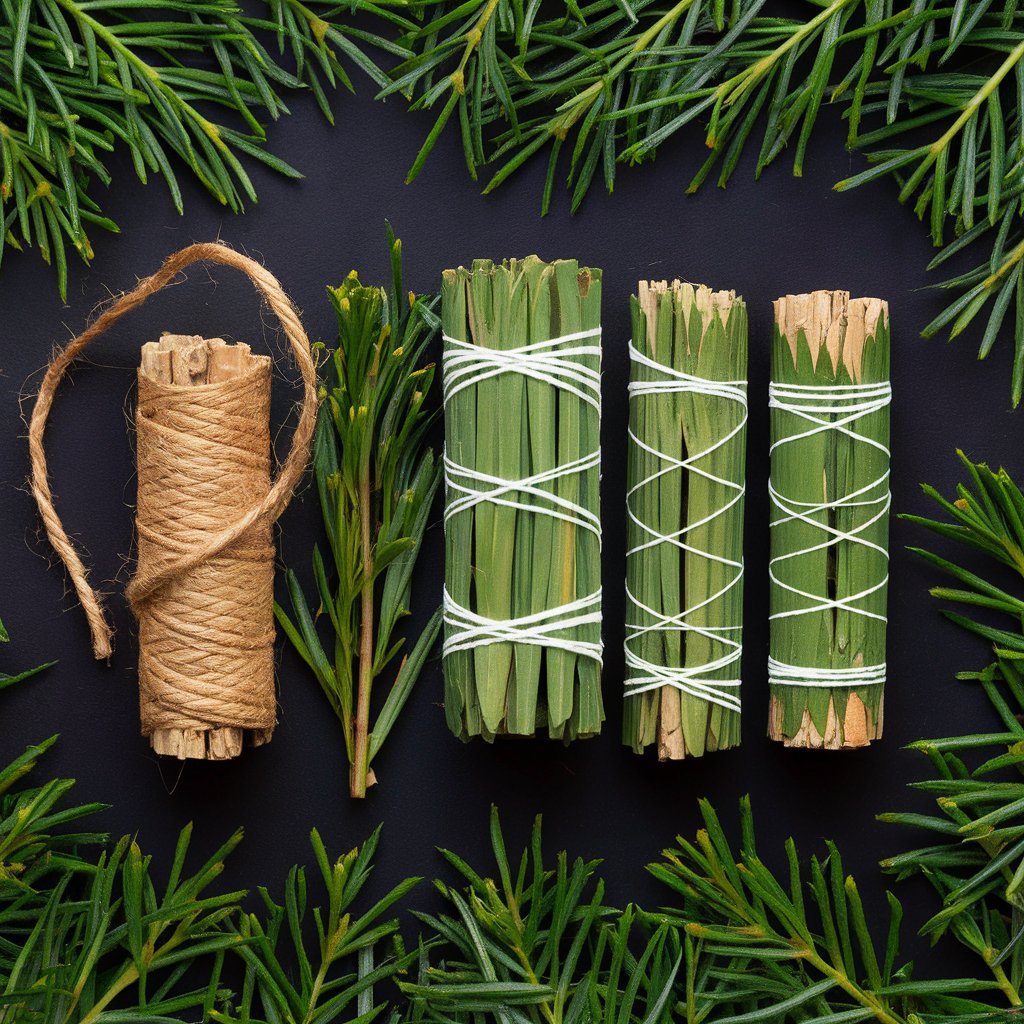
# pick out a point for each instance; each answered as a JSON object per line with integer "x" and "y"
{"x": 598, "y": 799}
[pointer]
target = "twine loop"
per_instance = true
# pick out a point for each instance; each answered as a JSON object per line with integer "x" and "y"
{"x": 178, "y": 558}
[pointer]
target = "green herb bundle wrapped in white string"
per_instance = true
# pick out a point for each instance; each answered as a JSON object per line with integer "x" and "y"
{"x": 830, "y": 499}
{"x": 684, "y": 563}
{"x": 522, "y": 601}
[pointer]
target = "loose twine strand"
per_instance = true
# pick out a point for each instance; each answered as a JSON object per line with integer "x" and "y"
{"x": 144, "y": 586}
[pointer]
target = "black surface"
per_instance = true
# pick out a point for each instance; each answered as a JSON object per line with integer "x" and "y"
{"x": 763, "y": 239}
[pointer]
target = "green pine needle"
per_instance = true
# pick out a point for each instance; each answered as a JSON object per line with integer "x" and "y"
{"x": 932, "y": 92}
{"x": 9, "y": 680}
{"x": 91, "y": 932}
{"x": 764, "y": 948}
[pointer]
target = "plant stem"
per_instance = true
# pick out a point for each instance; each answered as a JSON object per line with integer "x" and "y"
{"x": 1016, "y": 254}
{"x": 1005, "y": 985}
{"x": 360, "y": 764}
{"x": 473, "y": 37}
{"x": 866, "y": 999}
{"x": 321, "y": 977}
{"x": 127, "y": 977}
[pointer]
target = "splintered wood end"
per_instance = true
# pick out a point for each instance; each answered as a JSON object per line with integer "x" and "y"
{"x": 685, "y": 297}
{"x": 859, "y": 727}
{"x": 832, "y": 321}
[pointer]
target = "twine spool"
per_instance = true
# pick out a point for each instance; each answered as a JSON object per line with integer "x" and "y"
{"x": 203, "y": 586}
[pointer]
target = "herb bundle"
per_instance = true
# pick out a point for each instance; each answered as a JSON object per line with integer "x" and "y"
{"x": 684, "y": 559}
{"x": 376, "y": 475}
{"x": 206, "y": 651}
{"x": 522, "y": 528}
{"x": 830, "y": 500}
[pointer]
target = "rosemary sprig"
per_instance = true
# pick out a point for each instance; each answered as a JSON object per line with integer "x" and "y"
{"x": 79, "y": 936}
{"x": 539, "y": 944}
{"x": 759, "y": 948}
{"x": 88, "y": 937}
{"x": 377, "y": 476}
{"x": 592, "y": 86}
{"x": 269, "y": 944}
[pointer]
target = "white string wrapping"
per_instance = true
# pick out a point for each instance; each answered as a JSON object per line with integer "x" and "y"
{"x": 816, "y": 405}
{"x": 643, "y": 675}
{"x": 557, "y": 362}
{"x": 781, "y": 674}
{"x": 466, "y": 365}
{"x": 470, "y": 630}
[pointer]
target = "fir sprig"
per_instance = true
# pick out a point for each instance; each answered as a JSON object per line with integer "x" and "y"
{"x": 976, "y": 860}
{"x": 90, "y": 936}
{"x": 538, "y": 944}
{"x": 737, "y": 944}
{"x": 931, "y": 91}
{"x": 801, "y": 947}
{"x": 377, "y": 476}
{"x": 179, "y": 84}
{"x": 328, "y": 988}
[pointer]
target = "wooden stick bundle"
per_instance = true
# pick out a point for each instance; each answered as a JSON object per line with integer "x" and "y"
{"x": 684, "y": 563}
{"x": 830, "y": 517}
{"x": 187, "y": 681}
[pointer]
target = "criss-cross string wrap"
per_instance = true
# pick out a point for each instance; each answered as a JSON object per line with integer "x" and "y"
{"x": 557, "y": 362}
{"x": 200, "y": 635}
{"x": 830, "y": 407}
{"x": 644, "y": 675}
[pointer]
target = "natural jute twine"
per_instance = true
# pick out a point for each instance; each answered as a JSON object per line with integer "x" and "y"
{"x": 202, "y": 589}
